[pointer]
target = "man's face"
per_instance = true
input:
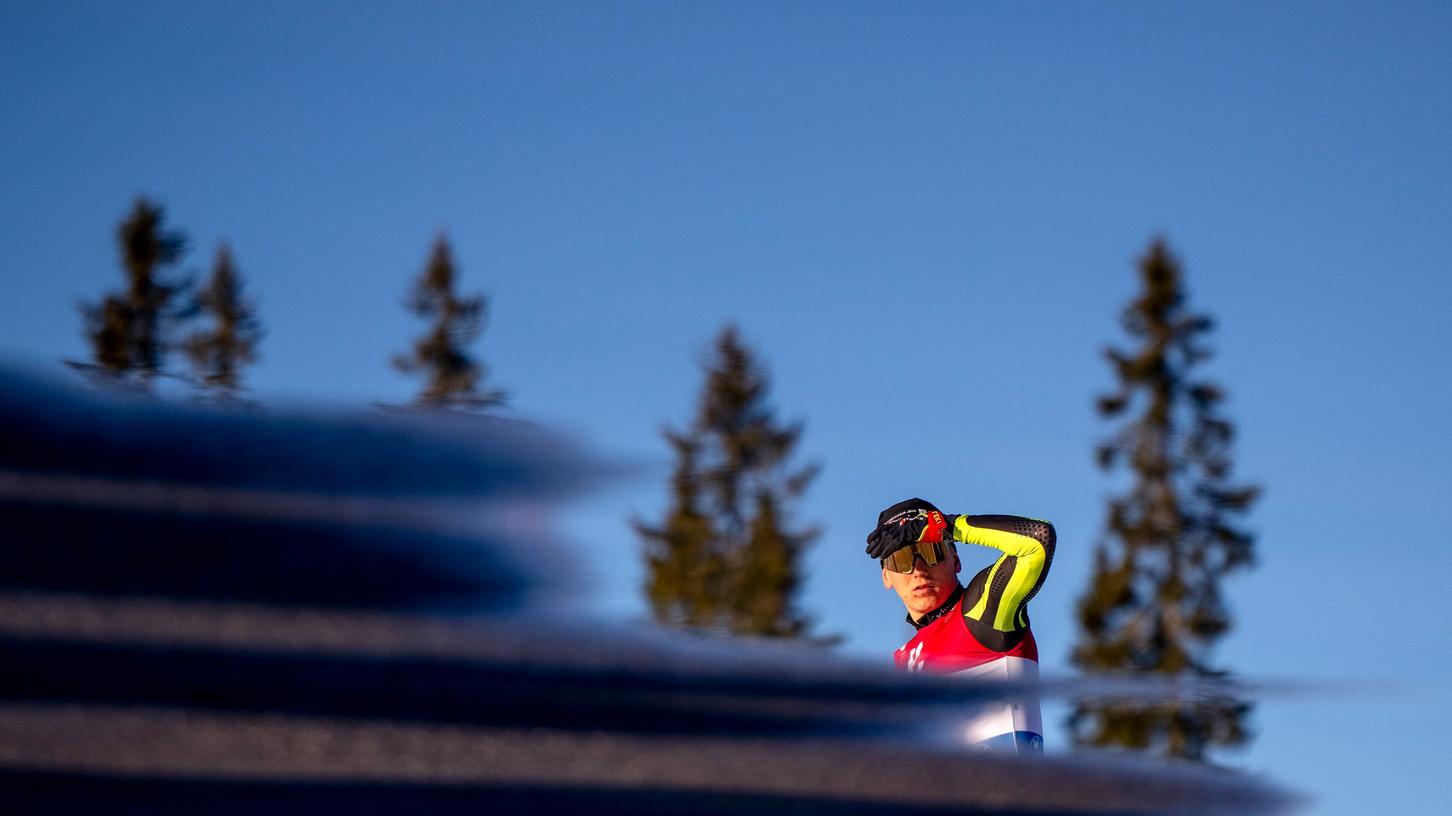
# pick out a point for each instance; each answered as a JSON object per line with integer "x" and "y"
{"x": 925, "y": 588}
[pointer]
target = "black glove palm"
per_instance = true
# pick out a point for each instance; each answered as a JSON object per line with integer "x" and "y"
{"x": 929, "y": 527}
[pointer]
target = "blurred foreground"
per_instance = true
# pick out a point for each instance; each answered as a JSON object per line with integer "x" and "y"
{"x": 239, "y": 611}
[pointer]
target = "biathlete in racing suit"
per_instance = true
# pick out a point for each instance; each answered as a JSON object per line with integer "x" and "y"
{"x": 978, "y": 630}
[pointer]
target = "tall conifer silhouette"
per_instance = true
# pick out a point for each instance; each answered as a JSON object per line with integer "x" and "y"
{"x": 726, "y": 556}
{"x": 130, "y": 331}
{"x": 453, "y": 377}
{"x": 219, "y": 353}
{"x": 1155, "y": 604}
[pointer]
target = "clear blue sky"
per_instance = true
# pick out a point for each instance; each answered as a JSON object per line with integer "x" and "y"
{"x": 924, "y": 216}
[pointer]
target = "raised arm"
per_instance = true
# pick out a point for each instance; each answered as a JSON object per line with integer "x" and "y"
{"x": 999, "y": 594}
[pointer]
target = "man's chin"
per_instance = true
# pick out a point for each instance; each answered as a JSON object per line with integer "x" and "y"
{"x": 925, "y": 604}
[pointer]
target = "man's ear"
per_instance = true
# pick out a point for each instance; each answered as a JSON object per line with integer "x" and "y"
{"x": 886, "y": 582}
{"x": 957, "y": 564}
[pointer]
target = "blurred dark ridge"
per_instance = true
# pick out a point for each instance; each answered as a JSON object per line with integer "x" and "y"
{"x": 232, "y": 621}
{"x": 114, "y": 493}
{"x": 59, "y": 429}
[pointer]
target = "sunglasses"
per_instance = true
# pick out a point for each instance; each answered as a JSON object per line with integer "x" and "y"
{"x": 902, "y": 560}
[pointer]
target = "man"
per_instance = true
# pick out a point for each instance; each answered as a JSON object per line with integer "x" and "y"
{"x": 981, "y": 630}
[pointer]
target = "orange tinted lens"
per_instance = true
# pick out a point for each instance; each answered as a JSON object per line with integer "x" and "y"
{"x": 931, "y": 553}
{"x": 900, "y": 560}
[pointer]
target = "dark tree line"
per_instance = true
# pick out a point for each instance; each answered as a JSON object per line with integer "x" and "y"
{"x": 134, "y": 332}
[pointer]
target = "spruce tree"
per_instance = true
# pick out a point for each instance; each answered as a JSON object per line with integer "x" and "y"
{"x": 726, "y": 556}
{"x": 1154, "y": 605}
{"x": 686, "y": 569}
{"x": 452, "y": 376}
{"x": 130, "y": 332}
{"x": 219, "y": 354}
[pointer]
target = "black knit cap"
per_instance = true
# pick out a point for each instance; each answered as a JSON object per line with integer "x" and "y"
{"x": 906, "y": 506}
